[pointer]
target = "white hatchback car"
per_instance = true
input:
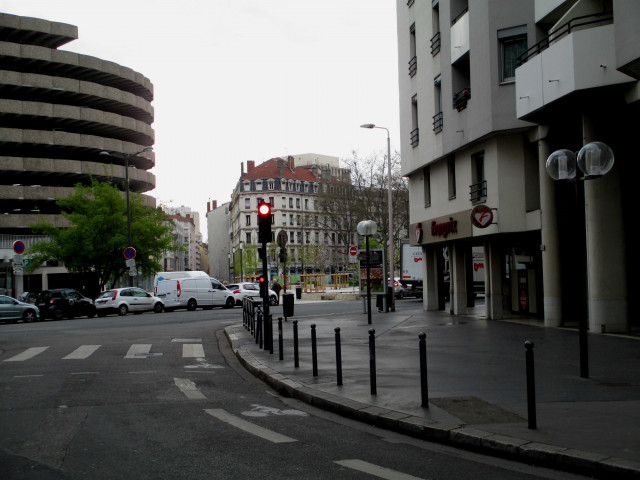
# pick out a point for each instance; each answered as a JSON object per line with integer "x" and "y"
{"x": 248, "y": 289}
{"x": 125, "y": 300}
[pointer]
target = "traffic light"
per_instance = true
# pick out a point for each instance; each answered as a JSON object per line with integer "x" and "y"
{"x": 263, "y": 286}
{"x": 264, "y": 223}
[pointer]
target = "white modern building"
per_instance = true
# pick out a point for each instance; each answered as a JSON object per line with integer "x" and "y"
{"x": 488, "y": 90}
{"x": 218, "y": 224}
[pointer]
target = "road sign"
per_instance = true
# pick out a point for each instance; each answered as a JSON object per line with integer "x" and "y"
{"x": 282, "y": 238}
{"x": 353, "y": 255}
{"x": 129, "y": 253}
{"x": 18, "y": 247}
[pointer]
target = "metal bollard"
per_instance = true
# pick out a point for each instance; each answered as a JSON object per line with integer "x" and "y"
{"x": 314, "y": 350}
{"x": 372, "y": 360}
{"x": 424, "y": 385}
{"x": 259, "y": 329}
{"x": 531, "y": 386}
{"x": 280, "y": 346}
{"x": 270, "y": 338}
{"x": 296, "y": 362}
{"x": 338, "y": 358}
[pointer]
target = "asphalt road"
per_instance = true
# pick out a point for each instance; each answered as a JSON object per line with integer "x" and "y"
{"x": 162, "y": 396}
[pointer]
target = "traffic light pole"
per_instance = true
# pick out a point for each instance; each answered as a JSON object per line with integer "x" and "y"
{"x": 265, "y": 301}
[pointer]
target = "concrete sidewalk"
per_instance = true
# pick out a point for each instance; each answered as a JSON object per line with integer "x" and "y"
{"x": 476, "y": 382}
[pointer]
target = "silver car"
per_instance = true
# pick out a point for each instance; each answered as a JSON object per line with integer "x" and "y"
{"x": 12, "y": 310}
{"x": 248, "y": 289}
{"x": 125, "y": 300}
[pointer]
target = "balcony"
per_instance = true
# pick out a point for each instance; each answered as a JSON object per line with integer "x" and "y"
{"x": 415, "y": 137}
{"x": 478, "y": 192}
{"x": 460, "y": 99}
{"x": 437, "y": 122}
{"x": 413, "y": 66}
{"x": 460, "y": 36}
{"x": 435, "y": 44}
{"x": 572, "y": 60}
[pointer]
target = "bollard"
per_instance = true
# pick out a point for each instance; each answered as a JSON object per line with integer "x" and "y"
{"x": 314, "y": 350}
{"x": 280, "y": 346}
{"x": 296, "y": 362}
{"x": 338, "y": 358}
{"x": 531, "y": 385}
{"x": 259, "y": 329}
{"x": 270, "y": 338}
{"x": 372, "y": 360}
{"x": 424, "y": 386}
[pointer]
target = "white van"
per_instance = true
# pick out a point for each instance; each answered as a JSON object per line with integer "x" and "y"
{"x": 194, "y": 292}
{"x": 173, "y": 275}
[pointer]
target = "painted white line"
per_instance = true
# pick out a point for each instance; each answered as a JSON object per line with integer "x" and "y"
{"x": 27, "y": 354}
{"x": 138, "y": 350}
{"x": 192, "y": 350}
{"x": 249, "y": 427}
{"x": 82, "y": 352}
{"x": 375, "y": 470}
{"x": 28, "y": 376}
{"x": 189, "y": 389}
{"x": 84, "y": 373}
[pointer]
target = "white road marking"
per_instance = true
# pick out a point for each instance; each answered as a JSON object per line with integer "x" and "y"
{"x": 27, "y": 354}
{"x": 249, "y": 427}
{"x": 28, "y": 376}
{"x": 189, "y": 389}
{"x": 82, "y": 352}
{"x": 262, "y": 411}
{"x": 192, "y": 350}
{"x": 375, "y": 470}
{"x": 138, "y": 350}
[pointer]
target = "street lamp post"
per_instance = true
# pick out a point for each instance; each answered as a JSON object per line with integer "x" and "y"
{"x": 595, "y": 159}
{"x": 125, "y": 157}
{"x": 392, "y": 307}
{"x": 241, "y": 264}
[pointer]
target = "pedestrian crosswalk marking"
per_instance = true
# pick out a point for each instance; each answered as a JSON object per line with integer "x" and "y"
{"x": 375, "y": 470}
{"x": 82, "y": 352}
{"x": 27, "y": 354}
{"x": 192, "y": 350}
{"x": 138, "y": 351}
{"x": 249, "y": 427}
{"x": 189, "y": 389}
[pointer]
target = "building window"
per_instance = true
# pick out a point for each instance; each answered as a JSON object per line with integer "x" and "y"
{"x": 478, "y": 189}
{"x": 272, "y": 201}
{"x": 513, "y": 42}
{"x": 306, "y": 204}
{"x": 435, "y": 23}
{"x": 271, "y": 184}
{"x": 247, "y": 220}
{"x": 427, "y": 186}
{"x": 298, "y": 220}
{"x": 415, "y": 139}
{"x": 284, "y": 218}
{"x": 451, "y": 168}
{"x": 413, "y": 59}
{"x": 290, "y": 202}
{"x": 292, "y": 238}
{"x": 247, "y": 202}
{"x": 284, "y": 202}
{"x": 291, "y": 219}
{"x": 248, "y": 238}
{"x": 437, "y": 101}
{"x": 297, "y": 203}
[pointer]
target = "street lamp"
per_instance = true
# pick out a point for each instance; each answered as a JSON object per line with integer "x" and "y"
{"x": 125, "y": 157}
{"x": 390, "y": 197}
{"x": 367, "y": 228}
{"x": 594, "y": 160}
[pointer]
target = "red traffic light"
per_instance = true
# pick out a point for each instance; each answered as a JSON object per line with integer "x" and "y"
{"x": 261, "y": 279}
{"x": 264, "y": 209}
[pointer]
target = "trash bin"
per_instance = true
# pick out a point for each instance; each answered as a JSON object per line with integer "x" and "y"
{"x": 380, "y": 301}
{"x": 287, "y": 304}
{"x": 298, "y": 293}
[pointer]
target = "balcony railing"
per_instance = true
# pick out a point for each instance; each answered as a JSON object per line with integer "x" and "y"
{"x": 415, "y": 137}
{"x": 460, "y": 99}
{"x": 437, "y": 122}
{"x": 563, "y": 30}
{"x": 460, "y": 15}
{"x": 435, "y": 44}
{"x": 413, "y": 66}
{"x": 478, "y": 192}
{"x": 409, "y": 3}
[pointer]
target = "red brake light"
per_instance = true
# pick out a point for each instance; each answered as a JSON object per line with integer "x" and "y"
{"x": 179, "y": 291}
{"x": 236, "y": 291}
{"x": 395, "y": 284}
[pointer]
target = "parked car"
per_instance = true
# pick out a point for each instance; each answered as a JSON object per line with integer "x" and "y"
{"x": 125, "y": 300}
{"x": 12, "y": 310}
{"x": 248, "y": 289}
{"x": 62, "y": 303}
{"x": 194, "y": 292}
{"x": 401, "y": 290}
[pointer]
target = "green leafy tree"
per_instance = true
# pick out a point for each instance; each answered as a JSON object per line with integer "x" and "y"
{"x": 97, "y": 234}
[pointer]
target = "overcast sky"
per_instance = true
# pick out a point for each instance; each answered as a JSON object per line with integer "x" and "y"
{"x": 239, "y": 80}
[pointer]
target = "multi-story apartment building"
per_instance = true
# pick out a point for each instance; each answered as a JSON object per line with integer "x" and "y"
{"x": 218, "y": 224}
{"x": 488, "y": 90}
{"x": 59, "y": 111}
{"x": 292, "y": 189}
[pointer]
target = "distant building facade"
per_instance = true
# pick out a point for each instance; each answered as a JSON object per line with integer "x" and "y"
{"x": 218, "y": 225}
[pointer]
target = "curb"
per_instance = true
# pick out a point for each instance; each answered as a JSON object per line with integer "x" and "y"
{"x": 456, "y": 435}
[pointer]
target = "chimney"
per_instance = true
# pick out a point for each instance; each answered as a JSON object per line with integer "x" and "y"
{"x": 208, "y": 207}
{"x": 241, "y": 168}
{"x": 291, "y": 163}
{"x": 251, "y": 164}
{"x": 215, "y": 204}
{"x": 280, "y": 167}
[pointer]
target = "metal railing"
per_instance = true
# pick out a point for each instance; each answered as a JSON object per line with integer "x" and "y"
{"x": 460, "y": 99}
{"x": 561, "y": 31}
{"x": 6, "y": 241}
{"x": 437, "y": 122}
{"x": 413, "y": 66}
{"x": 460, "y": 15}
{"x": 478, "y": 192}
{"x": 435, "y": 44}
{"x": 415, "y": 137}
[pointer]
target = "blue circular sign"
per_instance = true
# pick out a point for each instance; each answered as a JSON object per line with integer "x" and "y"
{"x": 18, "y": 247}
{"x": 129, "y": 253}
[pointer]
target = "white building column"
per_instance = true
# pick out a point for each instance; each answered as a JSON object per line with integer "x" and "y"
{"x": 430, "y": 275}
{"x": 493, "y": 279}
{"x": 457, "y": 272}
{"x": 551, "y": 243}
{"x": 606, "y": 269}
